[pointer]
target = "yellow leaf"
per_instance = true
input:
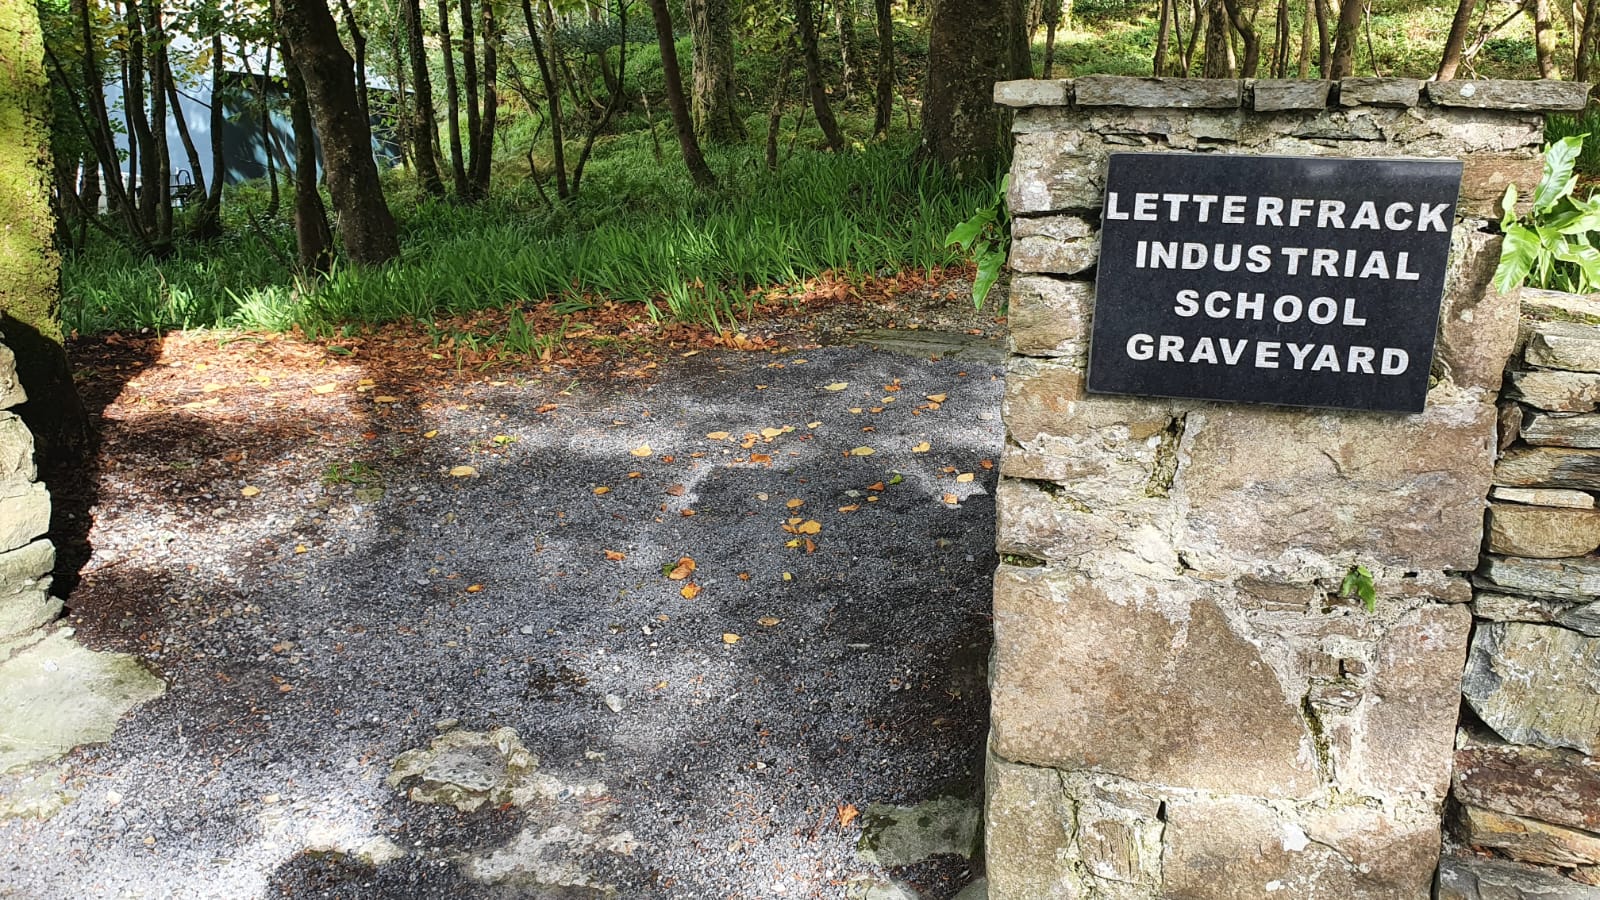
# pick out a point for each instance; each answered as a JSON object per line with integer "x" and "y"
{"x": 847, "y": 814}
{"x": 862, "y": 451}
{"x": 837, "y": 386}
{"x": 964, "y": 477}
{"x": 641, "y": 450}
{"x": 951, "y": 498}
{"x": 771, "y": 432}
{"x": 212, "y": 388}
{"x": 602, "y": 490}
{"x": 463, "y": 472}
{"x": 856, "y": 409}
{"x": 788, "y": 576}
{"x": 791, "y": 545}
{"x": 768, "y": 621}
{"x": 299, "y": 548}
{"x": 250, "y": 491}
{"x": 474, "y": 588}
{"x": 796, "y": 503}
{"x": 851, "y": 508}
{"x": 809, "y": 526}
{"x": 385, "y": 399}
{"x": 431, "y": 434}
{"x": 813, "y": 424}
{"x": 328, "y": 388}
{"x": 690, "y": 591}
{"x": 717, "y": 435}
{"x": 937, "y": 398}
{"x": 921, "y": 448}
{"x": 730, "y": 639}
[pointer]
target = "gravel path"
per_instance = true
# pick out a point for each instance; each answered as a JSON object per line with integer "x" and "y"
{"x": 464, "y": 556}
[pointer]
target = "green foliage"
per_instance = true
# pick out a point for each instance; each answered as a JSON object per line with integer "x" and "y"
{"x": 639, "y": 232}
{"x": 986, "y": 235}
{"x": 1553, "y": 245}
{"x": 1358, "y": 583}
{"x": 1584, "y": 123}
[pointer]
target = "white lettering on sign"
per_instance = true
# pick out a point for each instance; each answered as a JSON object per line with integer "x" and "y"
{"x": 1278, "y": 212}
{"x": 1301, "y": 357}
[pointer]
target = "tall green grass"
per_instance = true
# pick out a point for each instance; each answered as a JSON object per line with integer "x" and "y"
{"x": 639, "y": 231}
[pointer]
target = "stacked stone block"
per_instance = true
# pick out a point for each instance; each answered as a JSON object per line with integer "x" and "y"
{"x": 26, "y": 558}
{"x": 1526, "y": 782}
{"x": 1183, "y": 704}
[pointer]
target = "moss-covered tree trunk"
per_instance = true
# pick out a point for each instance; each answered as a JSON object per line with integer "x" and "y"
{"x": 969, "y": 48}
{"x": 716, "y": 118}
{"x": 30, "y": 293}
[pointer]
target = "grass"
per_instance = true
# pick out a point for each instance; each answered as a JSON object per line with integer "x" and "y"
{"x": 639, "y": 232}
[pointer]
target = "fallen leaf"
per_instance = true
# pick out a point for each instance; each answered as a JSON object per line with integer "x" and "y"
{"x": 299, "y": 548}
{"x": 921, "y": 448}
{"x": 385, "y": 399}
{"x": 951, "y": 499}
{"x": 788, "y": 576}
{"x": 730, "y": 639}
{"x": 964, "y": 477}
{"x": 676, "y": 490}
{"x": 682, "y": 570}
{"x": 616, "y": 555}
{"x": 796, "y": 503}
{"x": 474, "y": 588}
{"x": 986, "y": 463}
{"x": 602, "y": 490}
{"x": 686, "y": 513}
{"x": 837, "y": 386}
{"x": 744, "y": 576}
{"x": 862, "y": 451}
{"x": 772, "y": 432}
{"x": 717, "y": 435}
{"x": 641, "y": 451}
{"x": 250, "y": 491}
{"x": 328, "y": 388}
{"x": 768, "y": 621}
{"x": 896, "y": 478}
{"x": 851, "y": 508}
{"x": 809, "y": 526}
{"x": 760, "y": 458}
{"x": 813, "y": 424}
{"x": 690, "y": 591}
{"x": 875, "y": 486}
{"x": 635, "y": 474}
{"x": 431, "y": 434}
{"x": 545, "y": 407}
{"x": 937, "y": 398}
{"x": 463, "y": 472}
{"x": 848, "y": 814}
{"x": 212, "y": 388}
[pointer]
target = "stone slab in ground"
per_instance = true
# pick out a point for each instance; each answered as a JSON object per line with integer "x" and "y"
{"x": 57, "y": 695}
{"x": 902, "y": 835}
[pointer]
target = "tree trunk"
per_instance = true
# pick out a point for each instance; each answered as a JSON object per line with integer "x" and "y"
{"x": 208, "y": 224}
{"x": 98, "y": 126}
{"x": 716, "y": 119}
{"x": 552, "y": 96}
{"x": 698, "y": 170}
{"x": 1158, "y": 66}
{"x": 884, "y": 111}
{"x": 480, "y": 171}
{"x": 969, "y": 49}
{"x": 1282, "y": 41}
{"x": 366, "y": 228}
{"x": 1304, "y": 65}
{"x": 1344, "y": 43}
{"x": 1218, "y": 62}
{"x": 358, "y": 43}
{"x": 425, "y": 136}
{"x": 452, "y": 100}
{"x": 1021, "y": 39}
{"x": 156, "y": 62}
{"x": 1544, "y": 40}
{"x": 1247, "y": 36}
{"x": 806, "y": 24}
{"x": 844, "y": 21}
{"x": 313, "y": 238}
{"x": 1450, "y": 59}
{"x": 190, "y": 151}
{"x": 142, "y": 140}
{"x": 264, "y": 122}
{"x": 30, "y": 296}
{"x": 775, "y": 115}
{"x": 1581, "y": 57}
{"x": 1324, "y": 44}
{"x": 469, "y": 79}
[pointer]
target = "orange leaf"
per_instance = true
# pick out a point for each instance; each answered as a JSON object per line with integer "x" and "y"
{"x": 602, "y": 490}
{"x": 796, "y": 503}
{"x": 676, "y": 490}
{"x": 847, "y": 814}
{"x": 690, "y": 591}
{"x": 474, "y": 588}
{"x": 616, "y": 555}
{"x": 682, "y": 570}
{"x": 544, "y": 408}
{"x": 875, "y": 486}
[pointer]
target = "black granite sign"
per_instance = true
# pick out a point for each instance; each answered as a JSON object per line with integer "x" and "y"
{"x": 1269, "y": 279}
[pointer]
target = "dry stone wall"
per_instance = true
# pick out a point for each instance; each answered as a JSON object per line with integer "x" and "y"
{"x": 1526, "y": 786}
{"x": 26, "y": 557}
{"x": 1183, "y": 705}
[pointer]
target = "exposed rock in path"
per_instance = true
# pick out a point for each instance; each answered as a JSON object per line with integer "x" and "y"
{"x": 902, "y": 835}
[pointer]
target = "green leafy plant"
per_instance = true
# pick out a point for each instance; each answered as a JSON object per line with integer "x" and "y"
{"x": 1552, "y": 246}
{"x": 1358, "y": 583}
{"x": 987, "y": 236}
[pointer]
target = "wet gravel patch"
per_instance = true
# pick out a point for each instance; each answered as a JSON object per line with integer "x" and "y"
{"x": 364, "y": 596}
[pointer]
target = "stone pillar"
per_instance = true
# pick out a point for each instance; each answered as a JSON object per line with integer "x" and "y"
{"x": 1183, "y": 704}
